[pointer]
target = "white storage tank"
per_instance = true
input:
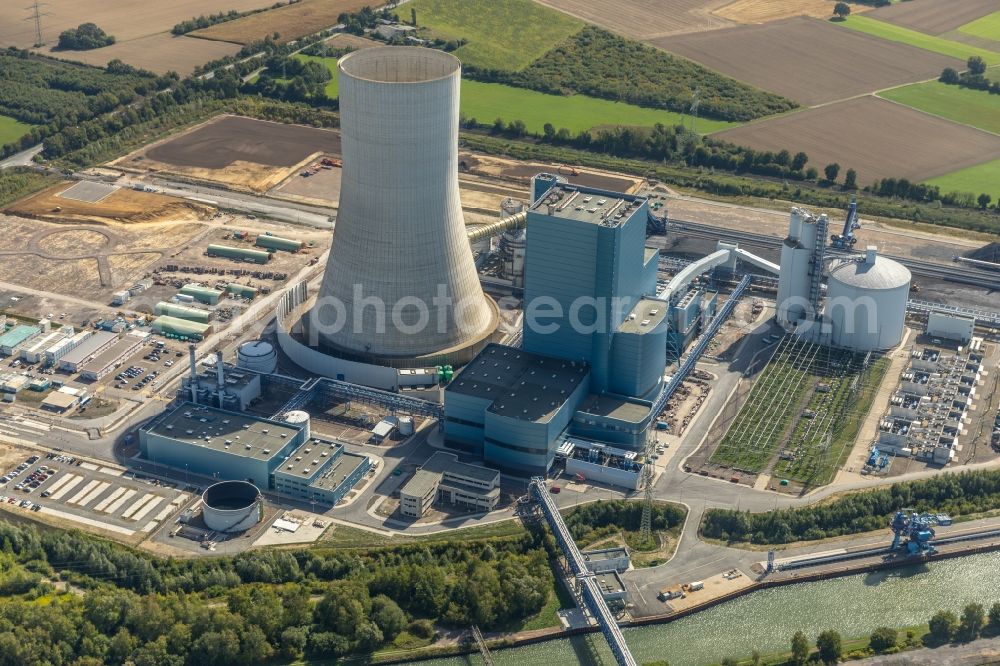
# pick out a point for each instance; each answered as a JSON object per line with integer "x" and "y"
{"x": 801, "y": 268}
{"x": 257, "y": 355}
{"x": 232, "y": 506}
{"x": 299, "y": 418}
{"x": 405, "y": 426}
{"x": 866, "y": 302}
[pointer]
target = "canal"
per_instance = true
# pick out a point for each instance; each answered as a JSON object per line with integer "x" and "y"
{"x": 765, "y": 620}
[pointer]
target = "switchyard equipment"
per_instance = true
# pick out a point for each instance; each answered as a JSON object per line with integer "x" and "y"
{"x": 401, "y": 235}
{"x": 845, "y": 240}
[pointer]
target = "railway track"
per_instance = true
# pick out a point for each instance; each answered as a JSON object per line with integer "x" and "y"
{"x": 956, "y": 273}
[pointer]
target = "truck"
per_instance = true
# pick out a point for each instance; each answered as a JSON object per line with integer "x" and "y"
{"x": 670, "y": 592}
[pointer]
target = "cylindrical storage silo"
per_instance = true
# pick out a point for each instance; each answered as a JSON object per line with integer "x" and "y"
{"x": 400, "y": 281}
{"x": 866, "y": 302}
{"x": 299, "y": 418}
{"x": 798, "y": 253}
{"x": 232, "y": 506}
{"x": 257, "y": 355}
{"x": 405, "y": 426}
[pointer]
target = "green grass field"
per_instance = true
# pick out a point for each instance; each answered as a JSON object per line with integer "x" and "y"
{"x": 11, "y": 130}
{"x": 487, "y": 101}
{"x": 895, "y": 33}
{"x": 976, "y": 179}
{"x": 501, "y": 34}
{"x": 988, "y": 27}
{"x": 963, "y": 105}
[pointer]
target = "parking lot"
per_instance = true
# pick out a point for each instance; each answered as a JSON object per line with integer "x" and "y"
{"x": 89, "y": 494}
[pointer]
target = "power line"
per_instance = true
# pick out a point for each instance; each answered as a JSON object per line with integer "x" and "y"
{"x": 36, "y": 16}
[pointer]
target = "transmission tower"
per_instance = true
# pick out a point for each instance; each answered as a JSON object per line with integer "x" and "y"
{"x": 36, "y": 16}
{"x": 695, "y": 103}
{"x": 646, "y": 525}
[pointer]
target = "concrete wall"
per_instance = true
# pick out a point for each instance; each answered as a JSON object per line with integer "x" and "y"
{"x": 602, "y": 474}
{"x": 950, "y": 327}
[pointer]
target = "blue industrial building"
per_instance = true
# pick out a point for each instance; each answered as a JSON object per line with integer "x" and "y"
{"x": 594, "y": 343}
{"x": 270, "y": 454}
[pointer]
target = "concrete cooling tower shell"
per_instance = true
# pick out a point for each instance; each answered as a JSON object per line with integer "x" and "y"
{"x": 866, "y": 302}
{"x": 232, "y": 506}
{"x": 400, "y": 237}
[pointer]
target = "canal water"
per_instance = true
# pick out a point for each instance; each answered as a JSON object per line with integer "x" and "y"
{"x": 765, "y": 620}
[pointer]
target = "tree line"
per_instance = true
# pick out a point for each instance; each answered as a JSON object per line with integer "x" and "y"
{"x": 956, "y": 494}
{"x": 974, "y": 77}
{"x": 84, "y": 37}
{"x": 123, "y": 606}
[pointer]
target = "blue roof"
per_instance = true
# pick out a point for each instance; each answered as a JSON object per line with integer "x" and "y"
{"x": 17, "y": 335}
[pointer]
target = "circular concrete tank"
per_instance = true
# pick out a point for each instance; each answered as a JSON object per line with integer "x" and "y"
{"x": 405, "y": 426}
{"x": 232, "y": 506}
{"x": 866, "y": 302}
{"x": 299, "y": 418}
{"x": 257, "y": 355}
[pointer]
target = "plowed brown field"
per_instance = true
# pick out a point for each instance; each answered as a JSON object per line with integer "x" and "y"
{"x": 645, "y": 19}
{"x": 755, "y": 11}
{"x": 158, "y": 53}
{"x": 808, "y": 60}
{"x": 877, "y": 138}
{"x": 935, "y": 17}
{"x": 290, "y": 22}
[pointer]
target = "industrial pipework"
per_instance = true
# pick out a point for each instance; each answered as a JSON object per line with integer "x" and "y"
{"x": 515, "y": 221}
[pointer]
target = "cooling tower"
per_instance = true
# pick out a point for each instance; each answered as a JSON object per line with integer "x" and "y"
{"x": 400, "y": 282}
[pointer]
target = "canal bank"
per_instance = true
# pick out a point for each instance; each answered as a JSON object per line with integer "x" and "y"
{"x": 854, "y": 601}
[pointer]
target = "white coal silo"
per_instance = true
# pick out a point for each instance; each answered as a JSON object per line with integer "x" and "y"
{"x": 866, "y": 302}
{"x": 257, "y": 355}
{"x": 400, "y": 283}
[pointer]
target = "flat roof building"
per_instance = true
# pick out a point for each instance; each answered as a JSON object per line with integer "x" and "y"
{"x": 443, "y": 478}
{"x": 105, "y": 362}
{"x": 64, "y": 346}
{"x": 86, "y": 350}
{"x": 35, "y": 350}
{"x": 13, "y": 339}
{"x": 320, "y": 471}
{"x": 607, "y": 559}
{"x": 60, "y": 402}
{"x": 219, "y": 443}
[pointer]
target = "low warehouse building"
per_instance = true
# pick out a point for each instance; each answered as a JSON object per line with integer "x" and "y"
{"x": 63, "y": 400}
{"x": 278, "y": 243}
{"x": 444, "y": 479}
{"x": 172, "y": 326}
{"x": 54, "y": 353}
{"x": 35, "y": 351}
{"x": 88, "y": 349}
{"x": 182, "y": 312}
{"x": 205, "y": 295}
{"x": 13, "y": 339}
{"x": 320, "y": 471}
{"x": 104, "y": 363}
{"x": 242, "y": 290}
{"x": 239, "y": 253}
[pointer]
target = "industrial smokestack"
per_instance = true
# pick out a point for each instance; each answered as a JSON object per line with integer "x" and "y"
{"x": 220, "y": 375}
{"x": 193, "y": 383}
{"x": 400, "y": 238}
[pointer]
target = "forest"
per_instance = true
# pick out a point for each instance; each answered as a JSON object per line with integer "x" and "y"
{"x": 83, "y": 38}
{"x": 955, "y": 494}
{"x": 69, "y": 598}
{"x": 600, "y": 64}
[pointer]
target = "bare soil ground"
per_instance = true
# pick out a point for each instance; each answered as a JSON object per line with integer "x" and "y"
{"x": 158, "y": 53}
{"x": 808, "y": 60}
{"x": 290, "y": 21}
{"x": 645, "y": 19}
{"x": 877, "y": 138}
{"x": 755, "y": 11}
{"x": 123, "y": 207}
{"x": 241, "y": 152}
{"x": 935, "y": 17}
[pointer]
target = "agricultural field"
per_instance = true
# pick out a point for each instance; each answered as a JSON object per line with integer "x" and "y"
{"x": 502, "y": 34}
{"x": 802, "y": 414}
{"x": 987, "y": 27}
{"x": 854, "y": 134}
{"x": 895, "y": 33}
{"x": 158, "y": 53}
{"x": 934, "y": 17}
{"x": 244, "y": 153}
{"x": 290, "y": 22}
{"x": 840, "y": 63}
{"x": 755, "y": 11}
{"x": 487, "y": 101}
{"x": 12, "y": 130}
{"x": 646, "y": 19}
{"x": 977, "y": 108}
{"x": 974, "y": 180}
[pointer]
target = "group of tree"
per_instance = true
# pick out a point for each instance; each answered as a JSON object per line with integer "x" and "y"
{"x": 973, "y": 77}
{"x": 597, "y": 63}
{"x": 591, "y": 522}
{"x": 203, "y": 21}
{"x": 293, "y": 79}
{"x": 85, "y": 37}
{"x": 130, "y": 607}
{"x": 956, "y": 494}
{"x": 364, "y": 19}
